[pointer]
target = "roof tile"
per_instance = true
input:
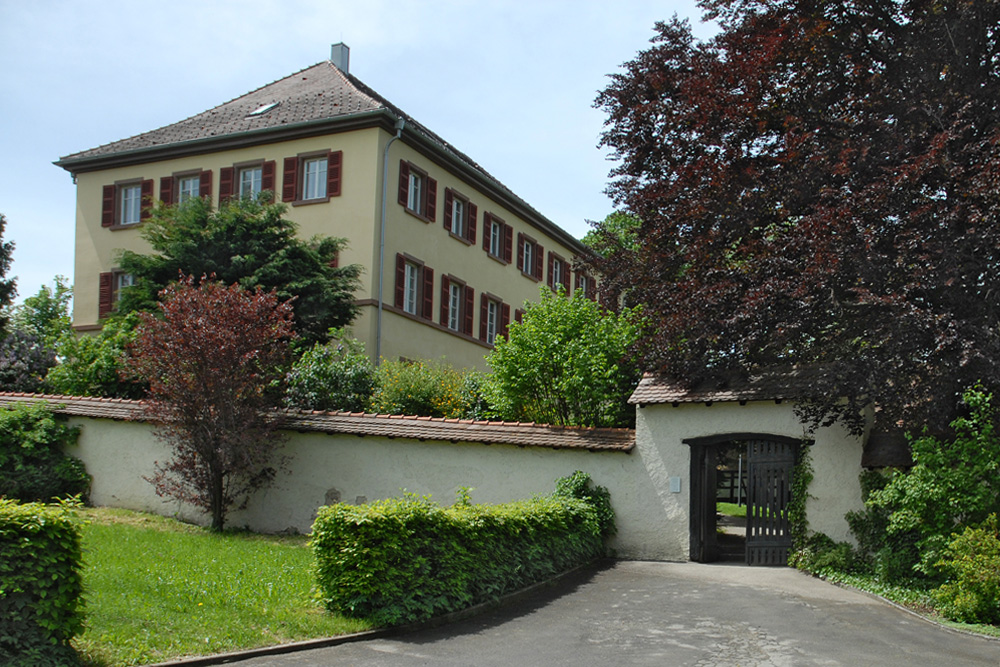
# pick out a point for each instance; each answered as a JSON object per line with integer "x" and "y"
{"x": 361, "y": 424}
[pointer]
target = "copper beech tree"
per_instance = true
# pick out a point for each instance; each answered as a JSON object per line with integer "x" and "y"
{"x": 212, "y": 358}
{"x": 819, "y": 184}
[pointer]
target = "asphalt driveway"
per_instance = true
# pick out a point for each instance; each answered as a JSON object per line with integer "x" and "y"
{"x": 643, "y": 613}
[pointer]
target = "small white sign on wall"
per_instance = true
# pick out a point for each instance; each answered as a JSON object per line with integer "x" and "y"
{"x": 675, "y": 485}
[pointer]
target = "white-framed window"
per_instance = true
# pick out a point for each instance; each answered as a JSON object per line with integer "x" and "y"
{"x": 414, "y": 194}
{"x": 250, "y": 181}
{"x": 528, "y": 256}
{"x": 314, "y": 178}
{"x": 586, "y": 286}
{"x": 187, "y": 188}
{"x": 492, "y": 320}
{"x": 411, "y": 287}
{"x": 417, "y": 191}
{"x": 120, "y": 281}
{"x": 458, "y": 217}
{"x": 558, "y": 273}
{"x": 496, "y": 238}
{"x": 455, "y": 294}
{"x": 130, "y": 204}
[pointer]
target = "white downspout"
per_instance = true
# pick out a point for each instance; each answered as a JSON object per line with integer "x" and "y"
{"x": 400, "y": 123}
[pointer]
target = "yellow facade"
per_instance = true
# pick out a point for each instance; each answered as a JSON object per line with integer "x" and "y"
{"x": 354, "y": 214}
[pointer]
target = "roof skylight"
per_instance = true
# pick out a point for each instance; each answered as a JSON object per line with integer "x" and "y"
{"x": 259, "y": 111}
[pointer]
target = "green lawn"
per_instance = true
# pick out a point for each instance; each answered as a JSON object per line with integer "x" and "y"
{"x": 731, "y": 509}
{"x": 158, "y": 589}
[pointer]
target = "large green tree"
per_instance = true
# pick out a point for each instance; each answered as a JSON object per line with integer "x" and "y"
{"x": 567, "y": 362}
{"x": 818, "y": 184}
{"x": 45, "y": 314}
{"x": 247, "y": 242}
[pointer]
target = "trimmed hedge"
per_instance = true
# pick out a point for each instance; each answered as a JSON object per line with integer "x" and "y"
{"x": 41, "y": 607}
{"x": 407, "y": 559}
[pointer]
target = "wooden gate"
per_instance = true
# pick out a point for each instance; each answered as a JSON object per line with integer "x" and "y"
{"x": 770, "y": 464}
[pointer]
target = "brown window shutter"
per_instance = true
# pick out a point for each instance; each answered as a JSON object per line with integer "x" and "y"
{"x": 487, "y": 223}
{"x": 104, "y": 303}
{"x": 539, "y": 261}
{"x": 400, "y": 279}
{"x": 508, "y": 242}
{"x": 519, "y": 316}
{"x": 428, "y": 293}
{"x": 205, "y": 184}
{"x": 520, "y": 251}
{"x": 470, "y": 227}
{"x": 266, "y": 176}
{"x": 404, "y": 181}
{"x": 430, "y": 208}
{"x": 108, "y": 206}
{"x": 576, "y": 283}
{"x": 289, "y": 183}
{"x": 167, "y": 189}
{"x": 592, "y": 290}
{"x": 147, "y": 199}
{"x": 226, "y": 175}
{"x": 565, "y": 278}
{"x": 483, "y": 301}
{"x": 449, "y": 199}
{"x": 504, "y": 320}
{"x": 470, "y": 309}
{"x": 333, "y": 168}
{"x": 445, "y": 299}
{"x": 552, "y": 261}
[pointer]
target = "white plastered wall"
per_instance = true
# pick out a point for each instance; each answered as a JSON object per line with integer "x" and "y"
{"x": 649, "y": 486}
{"x": 662, "y": 429}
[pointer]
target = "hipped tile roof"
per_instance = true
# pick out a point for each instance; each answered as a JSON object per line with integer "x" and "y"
{"x": 769, "y": 385}
{"x": 361, "y": 424}
{"x": 317, "y": 100}
{"x": 316, "y": 93}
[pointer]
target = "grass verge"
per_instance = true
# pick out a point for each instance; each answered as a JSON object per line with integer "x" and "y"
{"x": 157, "y": 589}
{"x": 913, "y": 597}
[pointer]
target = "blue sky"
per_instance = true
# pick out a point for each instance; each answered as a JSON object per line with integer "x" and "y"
{"x": 509, "y": 83}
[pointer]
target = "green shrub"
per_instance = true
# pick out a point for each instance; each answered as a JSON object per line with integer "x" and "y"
{"x": 41, "y": 607}
{"x": 422, "y": 388}
{"x": 953, "y": 484}
{"x": 578, "y": 486}
{"x": 819, "y": 553}
{"x": 407, "y": 559}
{"x": 337, "y": 375}
{"x": 94, "y": 365}
{"x": 33, "y": 466}
{"x": 972, "y": 567}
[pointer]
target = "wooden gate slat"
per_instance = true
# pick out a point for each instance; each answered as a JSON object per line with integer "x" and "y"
{"x": 770, "y": 464}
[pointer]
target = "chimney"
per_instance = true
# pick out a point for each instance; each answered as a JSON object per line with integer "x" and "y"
{"x": 340, "y": 56}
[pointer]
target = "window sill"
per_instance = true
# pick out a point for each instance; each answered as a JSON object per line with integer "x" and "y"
{"x": 117, "y": 227}
{"x": 458, "y": 237}
{"x": 418, "y": 216}
{"x": 497, "y": 259}
{"x": 529, "y": 276}
{"x": 306, "y": 202}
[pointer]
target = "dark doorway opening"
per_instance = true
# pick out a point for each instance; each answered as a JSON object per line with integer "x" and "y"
{"x": 769, "y": 461}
